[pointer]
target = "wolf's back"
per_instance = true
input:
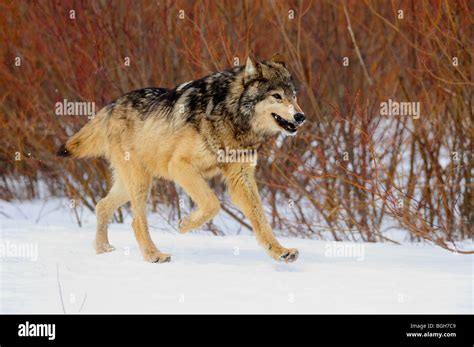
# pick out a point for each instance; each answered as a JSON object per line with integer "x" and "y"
{"x": 87, "y": 142}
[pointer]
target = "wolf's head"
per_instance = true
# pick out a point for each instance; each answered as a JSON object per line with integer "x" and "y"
{"x": 270, "y": 98}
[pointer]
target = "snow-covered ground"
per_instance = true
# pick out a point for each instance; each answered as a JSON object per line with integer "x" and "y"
{"x": 58, "y": 271}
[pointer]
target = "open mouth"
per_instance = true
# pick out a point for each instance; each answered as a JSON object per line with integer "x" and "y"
{"x": 288, "y": 126}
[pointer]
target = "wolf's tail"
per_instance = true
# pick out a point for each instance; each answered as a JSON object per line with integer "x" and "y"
{"x": 87, "y": 142}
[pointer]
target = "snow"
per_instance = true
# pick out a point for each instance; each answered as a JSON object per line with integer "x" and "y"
{"x": 213, "y": 274}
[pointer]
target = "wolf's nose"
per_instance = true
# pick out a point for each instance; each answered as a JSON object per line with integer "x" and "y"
{"x": 299, "y": 117}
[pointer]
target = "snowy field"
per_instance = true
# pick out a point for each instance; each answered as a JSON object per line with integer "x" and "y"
{"x": 58, "y": 271}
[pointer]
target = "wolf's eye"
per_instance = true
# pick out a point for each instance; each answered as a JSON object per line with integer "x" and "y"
{"x": 277, "y": 96}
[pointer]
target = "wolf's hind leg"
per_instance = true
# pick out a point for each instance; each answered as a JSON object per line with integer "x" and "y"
{"x": 105, "y": 208}
{"x": 197, "y": 188}
{"x": 138, "y": 184}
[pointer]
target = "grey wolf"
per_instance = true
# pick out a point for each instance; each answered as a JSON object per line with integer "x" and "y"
{"x": 176, "y": 134}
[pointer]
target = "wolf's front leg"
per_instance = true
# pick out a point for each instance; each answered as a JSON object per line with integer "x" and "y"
{"x": 244, "y": 194}
{"x": 197, "y": 188}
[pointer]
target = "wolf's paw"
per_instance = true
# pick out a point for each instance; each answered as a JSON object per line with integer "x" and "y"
{"x": 283, "y": 254}
{"x": 185, "y": 225}
{"x": 156, "y": 257}
{"x": 290, "y": 255}
{"x": 279, "y": 253}
{"x": 104, "y": 248}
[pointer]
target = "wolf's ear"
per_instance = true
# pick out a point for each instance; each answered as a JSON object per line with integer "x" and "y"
{"x": 252, "y": 70}
{"x": 278, "y": 59}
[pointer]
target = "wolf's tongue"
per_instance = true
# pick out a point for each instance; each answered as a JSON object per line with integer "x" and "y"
{"x": 288, "y": 126}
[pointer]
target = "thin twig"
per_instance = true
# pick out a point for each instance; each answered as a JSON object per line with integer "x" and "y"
{"x": 234, "y": 216}
{"x": 83, "y": 302}
{"x": 59, "y": 286}
{"x": 361, "y": 60}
